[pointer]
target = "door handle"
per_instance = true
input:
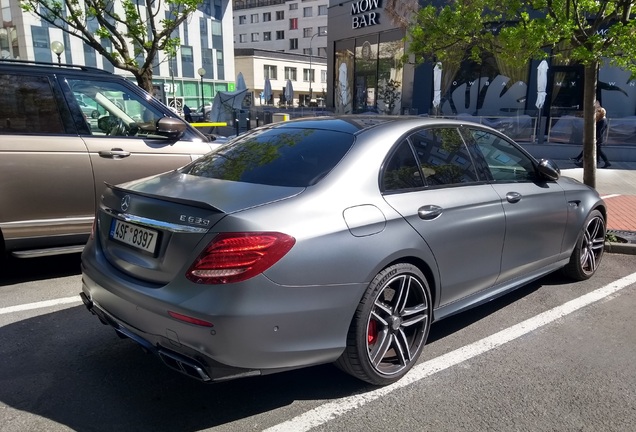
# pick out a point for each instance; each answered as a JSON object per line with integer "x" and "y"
{"x": 429, "y": 212}
{"x": 513, "y": 197}
{"x": 115, "y": 153}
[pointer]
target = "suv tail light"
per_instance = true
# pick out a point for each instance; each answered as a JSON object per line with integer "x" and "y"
{"x": 235, "y": 257}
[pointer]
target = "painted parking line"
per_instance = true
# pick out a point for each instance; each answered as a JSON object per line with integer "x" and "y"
{"x": 40, "y": 305}
{"x": 329, "y": 411}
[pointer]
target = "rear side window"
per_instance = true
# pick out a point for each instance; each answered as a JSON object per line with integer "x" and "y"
{"x": 443, "y": 157}
{"x": 27, "y": 105}
{"x": 277, "y": 157}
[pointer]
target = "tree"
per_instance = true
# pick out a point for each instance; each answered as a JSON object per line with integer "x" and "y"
{"x": 586, "y": 32}
{"x": 137, "y": 29}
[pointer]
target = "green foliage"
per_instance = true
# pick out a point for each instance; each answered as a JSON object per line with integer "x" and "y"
{"x": 135, "y": 31}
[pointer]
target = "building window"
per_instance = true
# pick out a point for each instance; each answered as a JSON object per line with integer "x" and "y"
{"x": 243, "y": 38}
{"x": 220, "y": 65}
{"x": 293, "y": 6}
{"x": 267, "y": 36}
{"x": 323, "y": 76}
{"x": 255, "y": 37}
{"x": 306, "y": 75}
{"x": 322, "y": 52}
{"x": 322, "y": 10}
{"x": 242, "y": 19}
{"x": 280, "y": 34}
{"x": 293, "y": 44}
{"x": 322, "y": 31}
{"x": 293, "y": 23}
{"x": 307, "y": 32}
{"x": 307, "y": 12}
{"x": 290, "y": 73}
{"x": 280, "y": 15}
{"x": 306, "y": 51}
{"x": 270, "y": 71}
{"x": 267, "y": 16}
{"x": 254, "y": 18}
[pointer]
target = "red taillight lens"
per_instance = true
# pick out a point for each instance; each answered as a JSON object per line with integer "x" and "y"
{"x": 235, "y": 257}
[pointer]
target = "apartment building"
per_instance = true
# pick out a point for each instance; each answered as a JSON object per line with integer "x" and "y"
{"x": 206, "y": 44}
{"x": 291, "y": 26}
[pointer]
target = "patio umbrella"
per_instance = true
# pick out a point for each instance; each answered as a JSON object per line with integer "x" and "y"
{"x": 437, "y": 84}
{"x": 226, "y": 103}
{"x": 344, "y": 88}
{"x": 542, "y": 82}
{"x": 289, "y": 92}
{"x": 240, "y": 82}
{"x": 267, "y": 91}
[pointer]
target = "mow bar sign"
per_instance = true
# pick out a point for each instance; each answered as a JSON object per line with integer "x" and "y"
{"x": 363, "y": 13}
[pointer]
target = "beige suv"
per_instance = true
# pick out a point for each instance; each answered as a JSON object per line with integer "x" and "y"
{"x": 64, "y": 132}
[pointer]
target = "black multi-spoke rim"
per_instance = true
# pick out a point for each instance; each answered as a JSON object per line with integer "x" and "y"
{"x": 397, "y": 324}
{"x": 592, "y": 245}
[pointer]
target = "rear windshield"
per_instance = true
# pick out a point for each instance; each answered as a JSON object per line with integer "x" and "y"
{"x": 279, "y": 157}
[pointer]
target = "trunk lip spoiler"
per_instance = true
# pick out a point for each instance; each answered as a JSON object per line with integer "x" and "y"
{"x": 154, "y": 223}
{"x": 191, "y": 203}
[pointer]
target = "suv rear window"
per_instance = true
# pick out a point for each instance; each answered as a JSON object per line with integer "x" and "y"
{"x": 278, "y": 157}
{"x": 27, "y": 105}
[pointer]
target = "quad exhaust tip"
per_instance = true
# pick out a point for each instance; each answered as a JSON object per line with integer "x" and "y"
{"x": 184, "y": 365}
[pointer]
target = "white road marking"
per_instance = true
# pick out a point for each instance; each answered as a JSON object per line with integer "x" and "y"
{"x": 329, "y": 411}
{"x": 39, "y": 305}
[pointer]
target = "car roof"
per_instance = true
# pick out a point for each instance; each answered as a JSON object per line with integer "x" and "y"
{"x": 46, "y": 67}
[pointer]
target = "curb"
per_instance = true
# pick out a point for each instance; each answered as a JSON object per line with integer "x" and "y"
{"x": 620, "y": 248}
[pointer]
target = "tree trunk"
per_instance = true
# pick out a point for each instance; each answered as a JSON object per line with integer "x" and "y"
{"x": 589, "y": 124}
{"x": 144, "y": 79}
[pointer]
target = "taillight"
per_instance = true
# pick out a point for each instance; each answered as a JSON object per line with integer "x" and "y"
{"x": 235, "y": 257}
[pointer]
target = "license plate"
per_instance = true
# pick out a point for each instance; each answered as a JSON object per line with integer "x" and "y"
{"x": 135, "y": 236}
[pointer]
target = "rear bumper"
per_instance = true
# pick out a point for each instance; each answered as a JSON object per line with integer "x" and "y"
{"x": 256, "y": 330}
{"x": 192, "y": 364}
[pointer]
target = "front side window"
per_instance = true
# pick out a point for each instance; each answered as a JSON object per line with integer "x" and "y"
{"x": 506, "y": 162}
{"x": 278, "y": 157}
{"x": 114, "y": 109}
{"x": 27, "y": 105}
{"x": 443, "y": 157}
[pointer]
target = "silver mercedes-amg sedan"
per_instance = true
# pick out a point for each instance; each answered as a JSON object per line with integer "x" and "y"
{"x": 334, "y": 239}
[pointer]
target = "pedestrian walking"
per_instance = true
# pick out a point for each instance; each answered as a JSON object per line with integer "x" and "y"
{"x": 187, "y": 112}
{"x": 601, "y": 132}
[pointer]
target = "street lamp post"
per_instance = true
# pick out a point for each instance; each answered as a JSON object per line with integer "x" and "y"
{"x": 201, "y": 72}
{"x": 311, "y": 52}
{"x": 58, "y": 48}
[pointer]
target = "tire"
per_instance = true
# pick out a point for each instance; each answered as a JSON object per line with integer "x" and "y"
{"x": 390, "y": 326}
{"x": 588, "y": 250}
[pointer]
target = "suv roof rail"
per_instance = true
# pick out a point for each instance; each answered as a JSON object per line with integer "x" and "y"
{"x": 51, "y": 64}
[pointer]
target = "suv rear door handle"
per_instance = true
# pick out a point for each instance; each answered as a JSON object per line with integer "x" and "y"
{"x": 115, "y": 153}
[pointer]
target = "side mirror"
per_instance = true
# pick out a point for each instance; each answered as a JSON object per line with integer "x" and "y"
{"x": 549, "y": 170}
{"x": 171, "y": 127}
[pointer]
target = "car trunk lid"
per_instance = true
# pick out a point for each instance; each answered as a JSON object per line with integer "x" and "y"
{"x": 151, "y": 229}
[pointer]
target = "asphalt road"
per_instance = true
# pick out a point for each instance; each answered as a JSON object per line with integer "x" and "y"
{"x": 525, "y": 362}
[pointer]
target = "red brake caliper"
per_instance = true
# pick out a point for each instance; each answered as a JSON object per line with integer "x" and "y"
{"x": 372, "y": 333}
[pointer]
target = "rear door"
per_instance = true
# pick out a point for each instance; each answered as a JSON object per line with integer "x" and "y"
{"x": 120, "y": 143}
{"x": 431, "y": 181}
{"x": 46, "y": 181}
